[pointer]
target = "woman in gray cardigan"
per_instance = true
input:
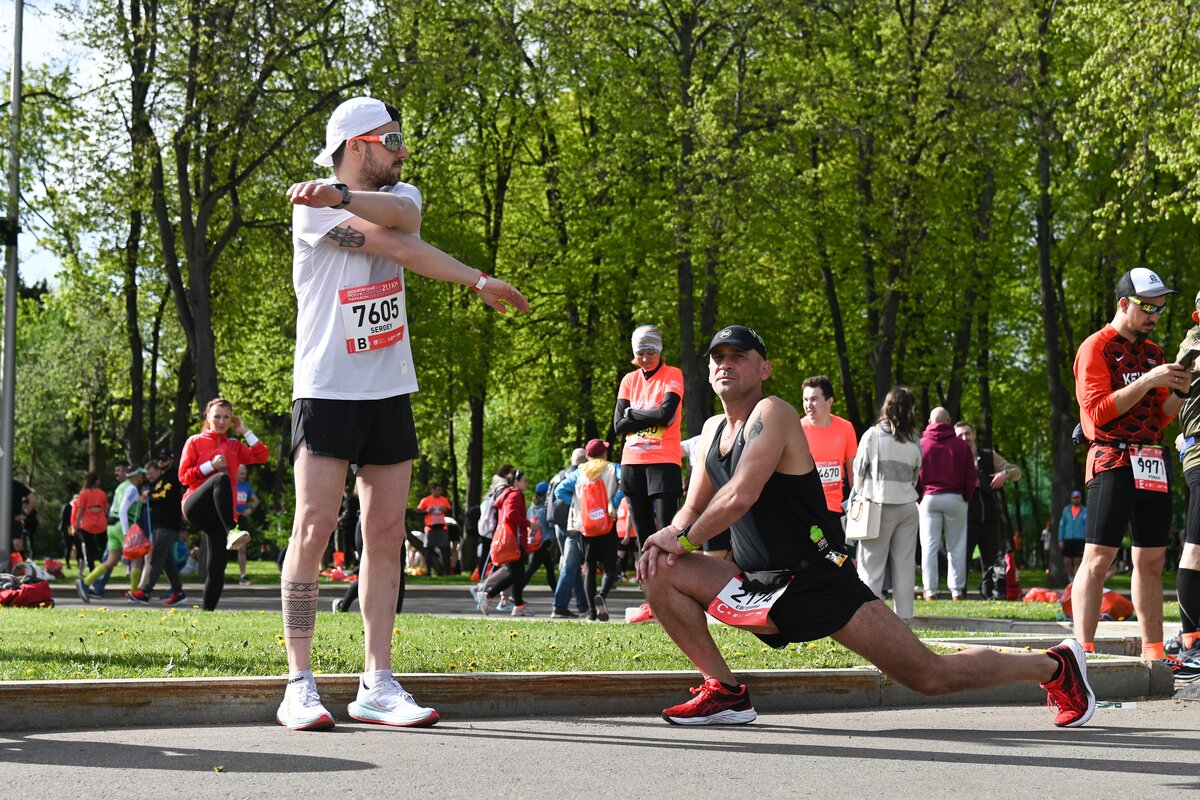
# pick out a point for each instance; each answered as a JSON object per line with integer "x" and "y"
{"x": 885, "y": 472}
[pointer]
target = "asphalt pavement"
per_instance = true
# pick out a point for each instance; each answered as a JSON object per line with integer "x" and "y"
{"x": 1144, "y": 750}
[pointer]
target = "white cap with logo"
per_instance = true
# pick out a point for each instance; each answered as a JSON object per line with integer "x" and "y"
{"x": 1141, "y": 282}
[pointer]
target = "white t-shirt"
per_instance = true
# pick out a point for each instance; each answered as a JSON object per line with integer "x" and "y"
{"x": 321, "y": 268}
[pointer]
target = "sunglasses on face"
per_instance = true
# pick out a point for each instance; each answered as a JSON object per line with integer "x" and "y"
{"x": 1149, "y": 308}
{"x": 393, "y": 141}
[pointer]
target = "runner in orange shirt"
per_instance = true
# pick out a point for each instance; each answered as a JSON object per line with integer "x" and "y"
{"x": 831, "y": 440}
{"x": 648, "y": 415}
{"x": 1123, "y": 383}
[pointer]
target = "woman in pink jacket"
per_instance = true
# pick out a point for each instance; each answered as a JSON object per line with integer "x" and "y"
{"x": 207, "y": 468}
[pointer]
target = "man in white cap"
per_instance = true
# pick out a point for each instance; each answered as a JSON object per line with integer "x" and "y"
{"x": 1124, "y": 387}
{"x": 354, "y": 235}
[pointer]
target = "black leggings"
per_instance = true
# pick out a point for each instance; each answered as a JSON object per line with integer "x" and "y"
{"x": 651, "y": 514}
{"x": 544, "y": 556}
{"x": 352, "y": 590}
{"x": 94, "y": 545}
{"x": 210, "y": 508}
{"x": 601, "y": 550}
{"x": 508, "y": 575}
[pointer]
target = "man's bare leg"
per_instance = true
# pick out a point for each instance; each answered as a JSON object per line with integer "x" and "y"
{"x": 879, "y": 636}
{"x": 1147, "y": 591}
{"x": 319, "y": 485}
{"x": 679, "y": 594}
{"x": 1088, "y": 587}
{"x": 383, "y": 491}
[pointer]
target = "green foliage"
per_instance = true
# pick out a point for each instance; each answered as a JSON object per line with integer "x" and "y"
{"x": 858, "y": 181}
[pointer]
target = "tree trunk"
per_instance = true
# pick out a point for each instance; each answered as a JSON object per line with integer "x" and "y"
{"x": 1062, "y": 450}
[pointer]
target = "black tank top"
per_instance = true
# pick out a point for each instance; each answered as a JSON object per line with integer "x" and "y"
{"x": 776, "y": 533}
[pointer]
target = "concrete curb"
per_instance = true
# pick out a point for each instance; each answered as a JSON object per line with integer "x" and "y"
{"x": 56, "y": 705}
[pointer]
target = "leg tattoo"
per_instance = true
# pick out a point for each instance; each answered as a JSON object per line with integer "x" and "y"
{"x": 299, "y": 609}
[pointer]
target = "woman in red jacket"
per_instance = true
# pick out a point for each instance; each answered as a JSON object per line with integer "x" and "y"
{"x": 210, "y": 460}
{"x": 508, "y": 558}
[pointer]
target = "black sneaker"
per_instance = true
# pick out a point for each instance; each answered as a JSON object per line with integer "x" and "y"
{"x": 563, "y": 613}
{"x": 601, "y": 608}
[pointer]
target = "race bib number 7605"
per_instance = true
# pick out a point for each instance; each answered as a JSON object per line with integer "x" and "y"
{"x": 372, "y": 315}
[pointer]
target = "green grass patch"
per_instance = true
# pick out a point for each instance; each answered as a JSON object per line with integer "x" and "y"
{"x": 1008, "y": 609}
{"x": 52, "y": 644}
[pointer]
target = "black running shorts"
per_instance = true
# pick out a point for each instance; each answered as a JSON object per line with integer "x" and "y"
{"x": 1192, "y": 476}
{"x": 819, "y": 602}
{"x": 651, "y": 480}
{"x": 1071, "y": 548}
{"x": 363, "y": 432}
{"x": 1115, "y": 507}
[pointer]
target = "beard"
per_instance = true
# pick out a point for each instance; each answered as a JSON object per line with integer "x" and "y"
{"x": 377, "y": 174}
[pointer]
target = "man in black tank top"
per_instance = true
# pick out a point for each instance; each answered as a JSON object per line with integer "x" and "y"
{"x": 790, "y": 580}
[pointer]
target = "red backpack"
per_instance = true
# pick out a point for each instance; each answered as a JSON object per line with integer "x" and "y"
{"x": 593, "y": 502}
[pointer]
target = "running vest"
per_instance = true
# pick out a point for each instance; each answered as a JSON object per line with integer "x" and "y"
{"x": 775, "y": 533}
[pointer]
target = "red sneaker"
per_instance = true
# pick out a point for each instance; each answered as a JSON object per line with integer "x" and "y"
{"x": 642, "y": 613}
{"x": 1070, "y": 692}
{"x": 174, "y": 598}
{"x": 713, "y": 705}
{"x": 138, "y": 596}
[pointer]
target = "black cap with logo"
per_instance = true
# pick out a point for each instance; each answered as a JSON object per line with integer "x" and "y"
{"x": 739, "y": 336}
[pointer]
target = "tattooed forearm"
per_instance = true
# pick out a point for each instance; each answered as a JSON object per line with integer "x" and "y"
{"x": 755, "y": 429}
{"x": 347, "y": 237}
{"x": 299, "y": 607}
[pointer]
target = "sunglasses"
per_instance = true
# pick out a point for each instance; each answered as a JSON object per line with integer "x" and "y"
{"x": 1149, "y": 308}
{"x": 393, "y": 141}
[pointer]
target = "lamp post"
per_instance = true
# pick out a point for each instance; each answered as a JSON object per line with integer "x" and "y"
{"x": 11, "y": 230}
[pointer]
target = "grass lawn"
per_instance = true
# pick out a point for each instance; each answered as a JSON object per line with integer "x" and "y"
{"x": 52, "y": 644}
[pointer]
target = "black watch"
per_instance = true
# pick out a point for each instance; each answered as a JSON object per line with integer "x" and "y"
{"x": 345, "y": 190}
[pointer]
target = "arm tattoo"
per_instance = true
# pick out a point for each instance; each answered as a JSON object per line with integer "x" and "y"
{"x": 755, "y": 430}
{"x": 347, "y": 237}
{"x": 299, "y": 608}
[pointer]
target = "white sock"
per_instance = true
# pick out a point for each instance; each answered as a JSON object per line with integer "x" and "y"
{"x": 301, "y": 674}
{"x": 376, "y": 677}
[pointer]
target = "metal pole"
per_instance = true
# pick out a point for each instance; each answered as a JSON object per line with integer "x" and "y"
{"x": 11, "y": 228}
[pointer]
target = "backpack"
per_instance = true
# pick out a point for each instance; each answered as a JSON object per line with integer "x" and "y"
{"x": 489, "y": 514}
{"x": 556, "y": 510}
{"x": 994, "y": 585}
{"x": 136, "y": 543}
{"x": 1012, "y": 578}
{"x": 593, "y": 506}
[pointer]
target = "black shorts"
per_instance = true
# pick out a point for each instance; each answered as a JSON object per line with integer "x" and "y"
{"x": 1071, "y": 548}
{"x": 650, "y": 480}
{"x": 722, "y": 541}
{"x": 363, "y": 432}
{"x": 820, "y": 601}
{"x": 1115, "y": 507}
{"x": 1192, "y": 476}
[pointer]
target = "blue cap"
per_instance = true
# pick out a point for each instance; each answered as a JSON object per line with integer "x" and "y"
{"x": 542, "y": 487}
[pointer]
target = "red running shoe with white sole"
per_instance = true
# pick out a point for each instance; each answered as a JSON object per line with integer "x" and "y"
{"x": 1070, "y": 692}
{"x": 713, "y": 705}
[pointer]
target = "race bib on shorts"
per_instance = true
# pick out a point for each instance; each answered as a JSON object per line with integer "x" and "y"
{"x": 738, "y": 606}
{"x": 829, "y": 472}
{"x": 372, "y": 315}
{"x": 1149, "y": 467}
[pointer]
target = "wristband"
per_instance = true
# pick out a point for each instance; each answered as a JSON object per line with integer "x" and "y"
{"x": 250, "y": 438}
{"x": 685, "y": 542}
{"x": 479, "y": 284}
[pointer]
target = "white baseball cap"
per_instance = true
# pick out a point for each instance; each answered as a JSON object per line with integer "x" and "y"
{"x": 352, "y": 118}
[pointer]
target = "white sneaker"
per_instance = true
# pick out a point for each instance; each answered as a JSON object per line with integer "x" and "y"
{"x": 236, "y": 538}
{"x": 504, "y": 604}
{"x": 522, "y": 611}
{"x": 481, "y": 600}
{"x": 389, "y": 704}
{"x": 301, "y": 709}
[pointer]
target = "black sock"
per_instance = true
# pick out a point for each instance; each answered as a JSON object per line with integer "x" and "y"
{"x": 732, "y": 688}
{"x": 1187, "y": 584}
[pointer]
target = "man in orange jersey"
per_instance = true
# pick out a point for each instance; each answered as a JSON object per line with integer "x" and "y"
{"x": 1123, "y": 384}
{"x": 831, "y": 440}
